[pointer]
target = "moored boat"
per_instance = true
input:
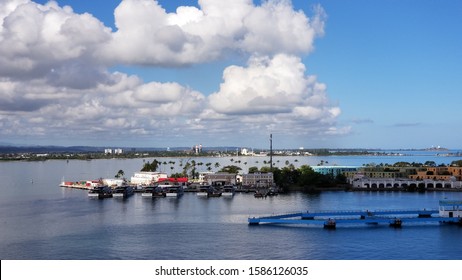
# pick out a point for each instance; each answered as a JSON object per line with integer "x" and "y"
{"x": 172, "y": 190}
{"x": 272, "y": 192}
{"x": 214, "y": 192}
{"x": 100, "y": 192}
{"x": 228, "y": 190}
{"x": 153, "y": 192}
{"x": 259, "y": 194}
{"x": 123, "y": 191}
{"x": 203, "y": 191}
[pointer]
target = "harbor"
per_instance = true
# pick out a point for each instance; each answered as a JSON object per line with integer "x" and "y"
{"x": 44, "y": 221}
{"x": 449, "y": 211}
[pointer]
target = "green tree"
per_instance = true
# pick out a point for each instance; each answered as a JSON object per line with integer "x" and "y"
{"x": 150, "y": 167}
{"x": 231, "y": 169}
{"x": 119, "y": 174}
{"x": 253, "y": 169}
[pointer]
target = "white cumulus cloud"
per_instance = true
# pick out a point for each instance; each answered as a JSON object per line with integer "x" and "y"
{"x": 55, "y": 77}
{"x": 147, "y": 34}
{"x": 275, "y": 85}
{"x": 40, "y": 40}
{"x": 272, "y": 94}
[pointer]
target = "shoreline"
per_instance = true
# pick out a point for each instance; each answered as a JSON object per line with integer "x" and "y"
{"x": 313, "y": 190}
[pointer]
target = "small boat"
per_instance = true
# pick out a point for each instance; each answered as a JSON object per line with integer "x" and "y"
{"x": 259, "y": 194}
{"x": 100, "y": 192}
{"x": 203, "y": 191}
{"x": 272, "y": 192}
{"x": 228, "y": 190}
{"x": 214, "y": 192}
{"x": 396, "y": 223}
{"x": 330, "y": 224}
{"x": 173, "y": 190}
{"x": 123, "y": 191}
{"x": 153, "y": 192}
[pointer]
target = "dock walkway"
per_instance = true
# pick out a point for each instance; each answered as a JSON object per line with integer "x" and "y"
{"x": 329, "y": 219}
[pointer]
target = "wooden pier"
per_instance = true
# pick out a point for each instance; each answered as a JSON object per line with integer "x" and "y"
{"x": 330, "y": 219}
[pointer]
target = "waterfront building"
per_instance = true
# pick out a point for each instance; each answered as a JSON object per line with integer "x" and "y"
{"x": 403, "y": 183}
{"x": 443, "y": 173}
{"x": 220, "y": 178}
{"x": 334, "y": 170}
{"x": 202, "y": 177}
{"x": 389, "y": 172}
{"x": 258, "y": 179}
{"x": 146, "y": 178}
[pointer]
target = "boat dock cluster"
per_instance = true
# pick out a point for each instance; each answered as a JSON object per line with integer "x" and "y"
{"x": 449, "y": 212}
{"x": 98, "y": 189}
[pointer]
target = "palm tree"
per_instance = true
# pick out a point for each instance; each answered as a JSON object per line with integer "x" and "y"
{"x": 120, "y": 173}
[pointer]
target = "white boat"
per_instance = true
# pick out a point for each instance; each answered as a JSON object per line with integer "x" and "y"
{"x": 153, "y": 192}
{"x": 100, "y": 192}
{"x": 228, "y": 190}
{"x": 214, "y": 192}
{"x": 203, "y": 191}
{"x": 172, "y": 190}
{"x": 123, "y": 192}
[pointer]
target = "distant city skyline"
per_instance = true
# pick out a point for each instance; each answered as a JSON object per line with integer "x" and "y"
{"x": 314, "y": 74}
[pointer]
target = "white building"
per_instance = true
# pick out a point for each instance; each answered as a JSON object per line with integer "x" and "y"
{"x": 146, "y": 178}
{"x": 220, "y": 178}
{"x": 113, "y": 182}
{"x": 202, "y": 176}
{"x": 113, "y": 151}
{"x": 258, "y": 179}
{"x": 246, "y": 152}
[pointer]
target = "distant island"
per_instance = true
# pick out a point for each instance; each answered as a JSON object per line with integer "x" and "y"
{"x": 37, "y": 153}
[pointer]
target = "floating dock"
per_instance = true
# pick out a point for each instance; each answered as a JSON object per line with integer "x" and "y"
{"x": 448, "y": 212}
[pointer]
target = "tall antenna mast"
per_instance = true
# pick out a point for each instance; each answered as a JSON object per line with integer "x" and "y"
{"x": 271, "y": 152}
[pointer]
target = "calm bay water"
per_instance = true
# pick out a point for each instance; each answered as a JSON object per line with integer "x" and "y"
{"x": 40, "y": 220}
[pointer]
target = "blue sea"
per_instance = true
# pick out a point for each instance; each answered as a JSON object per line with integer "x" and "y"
{"x": 41, "y": 221}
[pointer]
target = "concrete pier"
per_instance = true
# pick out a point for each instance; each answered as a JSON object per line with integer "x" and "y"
{"x": 331, "y": 219}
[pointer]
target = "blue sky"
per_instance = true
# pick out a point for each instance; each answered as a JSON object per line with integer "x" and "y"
{"x": 345, "y": 74}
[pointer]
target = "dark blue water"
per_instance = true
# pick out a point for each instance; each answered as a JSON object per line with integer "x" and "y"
{"x": 39, "y": 220}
